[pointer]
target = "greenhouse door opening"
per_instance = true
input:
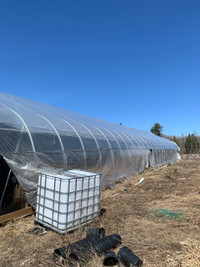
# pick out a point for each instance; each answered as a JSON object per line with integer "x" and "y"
{"x": 12, "y": 196}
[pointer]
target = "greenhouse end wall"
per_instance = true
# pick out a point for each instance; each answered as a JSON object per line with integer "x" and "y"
{"x": 37, "y": 138}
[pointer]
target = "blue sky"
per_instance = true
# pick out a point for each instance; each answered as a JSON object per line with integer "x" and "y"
{"x": 134, "y": 62}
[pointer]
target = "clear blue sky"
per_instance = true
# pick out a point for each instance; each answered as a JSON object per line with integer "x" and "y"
{"x": 135, "y": 62}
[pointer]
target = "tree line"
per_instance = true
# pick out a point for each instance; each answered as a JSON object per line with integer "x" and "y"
{"x": 189, "y": 144}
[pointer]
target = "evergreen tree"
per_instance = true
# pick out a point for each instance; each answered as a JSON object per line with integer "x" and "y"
{"x": 157, "y": 129}
{"x": 191, "y": 144}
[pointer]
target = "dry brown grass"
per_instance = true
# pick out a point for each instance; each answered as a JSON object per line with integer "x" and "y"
{"x": 157, "y": 240}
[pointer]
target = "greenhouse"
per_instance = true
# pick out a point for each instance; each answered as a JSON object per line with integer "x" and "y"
{"x": 38, "y": 138}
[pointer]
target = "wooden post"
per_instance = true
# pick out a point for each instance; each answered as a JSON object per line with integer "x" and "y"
{"x": 16, "y": 214}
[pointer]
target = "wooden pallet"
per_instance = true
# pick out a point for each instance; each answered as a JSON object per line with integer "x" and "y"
{"x": 16, "y": 214}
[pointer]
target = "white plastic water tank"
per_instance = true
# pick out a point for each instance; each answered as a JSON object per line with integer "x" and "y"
{"x": 66, "y": 201}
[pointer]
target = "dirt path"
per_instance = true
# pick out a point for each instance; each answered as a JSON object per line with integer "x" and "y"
{"x": 158, "y": 219}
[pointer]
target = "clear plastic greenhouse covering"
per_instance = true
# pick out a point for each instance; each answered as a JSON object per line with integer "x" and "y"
{"x": 36, "y": 138}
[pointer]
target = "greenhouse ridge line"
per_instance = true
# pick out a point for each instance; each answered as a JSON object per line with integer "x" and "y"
{"x": 138, "y": 137}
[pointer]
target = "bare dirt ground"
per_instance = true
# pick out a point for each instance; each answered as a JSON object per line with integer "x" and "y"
{"x": 158, "y": 219}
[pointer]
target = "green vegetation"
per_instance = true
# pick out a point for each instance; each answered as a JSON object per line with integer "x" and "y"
{"x": 191, "y": 144}
{"x": 188, "y": 144}
{"x": 157, "y": 129}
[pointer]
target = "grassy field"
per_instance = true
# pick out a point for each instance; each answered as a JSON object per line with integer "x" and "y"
{"x": 158, "y": 219}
